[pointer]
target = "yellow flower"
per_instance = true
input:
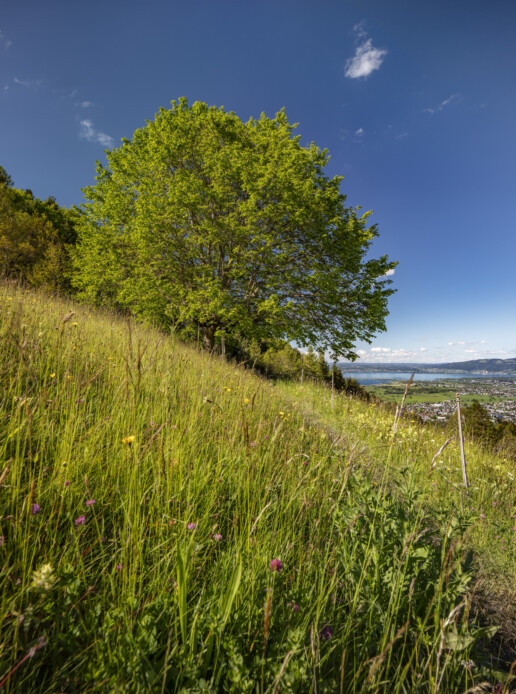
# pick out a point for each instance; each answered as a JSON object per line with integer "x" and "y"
{"x": 246, "y": 400}
{"x": 281, "y": 414}
{"x": 128, "y": 439}
{"x": 52, "y": 375}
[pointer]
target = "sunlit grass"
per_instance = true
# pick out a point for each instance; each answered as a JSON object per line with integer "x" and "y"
{"x": 171, "y": 522}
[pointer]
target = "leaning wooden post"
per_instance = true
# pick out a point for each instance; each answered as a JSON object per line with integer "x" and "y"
{"x": 463, "y": 457}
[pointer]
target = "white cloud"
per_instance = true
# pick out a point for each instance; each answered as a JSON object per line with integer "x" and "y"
{"x": 359, "y": 30}
{"x": 366, "y": 60}
{"x": 359, "y": 132}
{"x": 401, "y": 136}
{"x": 460, "y": 342}
{"x": 88, "y": 132}
{"x": 422, "y": 349}
{"x": 470, "y": 351}
{"x": 29, "y": 84}
{"x": 4, "y": 41}
{"x": 389, "y": 273}
{"x": 380, "y": 349}
{"x": 454, "y": 98}
{"x": 86, "y": 104}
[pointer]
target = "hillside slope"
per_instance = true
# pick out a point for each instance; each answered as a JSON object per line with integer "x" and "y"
{"x": 171, "y": 522}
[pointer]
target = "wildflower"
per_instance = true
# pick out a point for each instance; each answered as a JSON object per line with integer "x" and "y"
{"x": 276, "y": 565}
{"x": 80, "y": 520}
{"x": 52, "y": 375}
{"x": 67, "y": 483}
{"x": 246, "y": 400}
{"x": 217, "y": 537}
{"x": 35, "y": 508}
{"x": 326, "y": 633}
{"x": 119, "y": 566}
{"x": 295, "y": 608}
{"x": 128, "y": 440}
{"x": 90, "y": 502}
{"x": 43, "y": 578}
{"x": 482, "y": 516}
{"x": 191, "y": 526}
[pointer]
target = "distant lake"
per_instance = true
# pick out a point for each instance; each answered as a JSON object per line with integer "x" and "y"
{"x": 376, "y": 378}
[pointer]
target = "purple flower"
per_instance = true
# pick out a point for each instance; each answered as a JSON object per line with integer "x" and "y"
{"x": 191, "y": 526}
{"x": 326, "y": 633}
{"x": 80, "y": 520}
{"x": 217, "y": 537}
{"x": 276, "y": 565}
{"x": 296, "y": 608}
{"x": 67, "y": 483}
{"x": 35, "y": 509}
{"x": 482, "y": 516}
{"x": 119, "y": 566}
{"x": 90, "y": 502}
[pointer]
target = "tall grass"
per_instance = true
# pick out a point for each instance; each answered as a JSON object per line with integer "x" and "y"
{"x": 172, "y": 523}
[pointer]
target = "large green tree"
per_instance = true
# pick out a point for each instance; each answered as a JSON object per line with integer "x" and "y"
{"x": 217, "y": 226}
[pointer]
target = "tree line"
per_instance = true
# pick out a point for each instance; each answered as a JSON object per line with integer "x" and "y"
{"x": 36, "y": 238}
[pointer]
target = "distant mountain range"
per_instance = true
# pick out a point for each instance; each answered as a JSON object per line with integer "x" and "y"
{"x": 475, "y": 366}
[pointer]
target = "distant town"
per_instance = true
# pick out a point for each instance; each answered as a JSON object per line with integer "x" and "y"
{"x": 498, "y": 397}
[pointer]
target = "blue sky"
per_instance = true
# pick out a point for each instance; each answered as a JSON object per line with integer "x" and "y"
{"x": 415, "y": 101}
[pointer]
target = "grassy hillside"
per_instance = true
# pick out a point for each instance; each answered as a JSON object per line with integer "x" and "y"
{"x": 172, "y": 523}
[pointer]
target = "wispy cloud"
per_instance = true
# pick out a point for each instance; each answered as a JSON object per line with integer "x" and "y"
{"x": 85, "y": 104}
{"x": 88, "y": 132}
{"x": 4, "y": 41}
{"x": 359, "y": 30}
{"x": 389, "y": 273}
{"x": 359, "y": 132}
{"x": 28, "y": 84}
{"x": 453, "y": 99}
{"x": 367, "y": 58}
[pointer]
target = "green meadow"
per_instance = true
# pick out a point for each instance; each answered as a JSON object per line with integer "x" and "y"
{"x": 171, "y": 522}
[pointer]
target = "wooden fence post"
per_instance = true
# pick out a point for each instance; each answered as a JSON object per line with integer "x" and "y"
{"x": 461, "y": 439}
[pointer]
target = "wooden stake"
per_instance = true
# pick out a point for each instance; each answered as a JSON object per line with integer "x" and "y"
{"x": 400, "y": 410}
{"x": 463, "y": 457}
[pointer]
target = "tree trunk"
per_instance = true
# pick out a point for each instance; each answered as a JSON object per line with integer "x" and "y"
{"x": 209, "y": 337}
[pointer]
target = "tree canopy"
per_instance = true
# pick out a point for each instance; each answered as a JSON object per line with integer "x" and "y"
{"x": 220, "y": 227}
{"x": 35, "y": 237}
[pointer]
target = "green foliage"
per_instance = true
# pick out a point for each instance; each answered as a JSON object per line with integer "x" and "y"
{"x": 35, "y": 238}
{"x": 5, "y": 179}
{"x": 210, "y": 225}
